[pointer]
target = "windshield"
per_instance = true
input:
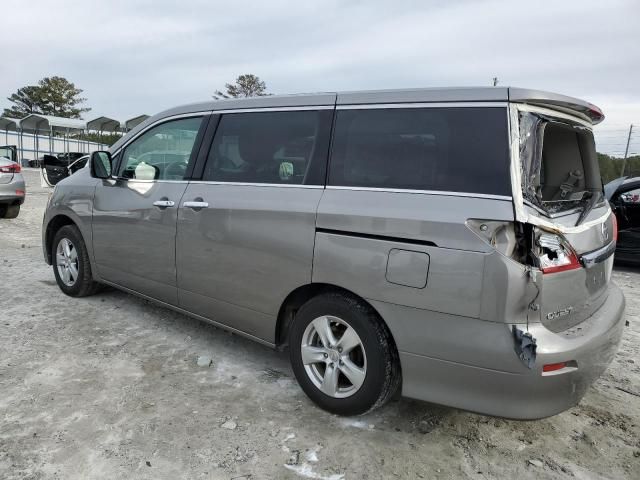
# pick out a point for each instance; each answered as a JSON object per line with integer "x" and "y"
{"x": 560, "y": 170}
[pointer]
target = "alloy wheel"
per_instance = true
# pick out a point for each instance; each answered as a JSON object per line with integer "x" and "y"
{"x": 67, "y": 262}
{"x": 333, "y": 356}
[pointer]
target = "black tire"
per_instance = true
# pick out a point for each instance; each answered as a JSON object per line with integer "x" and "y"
{"x": 11, "y": 211}
{"x": 383, "y": 374}
{"x": 3, "y": 210}
{"x": 84, "y": 284}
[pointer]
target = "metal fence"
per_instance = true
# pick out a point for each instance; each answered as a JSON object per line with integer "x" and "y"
{"x": 32, "y": 147}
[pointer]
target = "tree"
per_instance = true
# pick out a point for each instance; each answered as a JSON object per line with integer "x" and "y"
{"x": 61, "y": 98}
{"x": 105, "y": 138}
{"x": 247, "y": 85}
{"x": 52, "y": 96}
{"x": 26, "y": 100}
{"x": 611, "y": 167}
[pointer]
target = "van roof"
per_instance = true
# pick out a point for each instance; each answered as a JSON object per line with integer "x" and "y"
{"x": 555, "y": 101}
{"x": 410, "y": 95}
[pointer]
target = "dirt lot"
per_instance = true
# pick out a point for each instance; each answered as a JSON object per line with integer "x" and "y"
{"x": 113, "y": 387}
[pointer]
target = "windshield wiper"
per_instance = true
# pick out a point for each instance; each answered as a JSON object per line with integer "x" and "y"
{"x": 590, "y": 202}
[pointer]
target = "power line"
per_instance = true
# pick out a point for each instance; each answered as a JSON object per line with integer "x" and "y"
{"x": 626, "y": 150}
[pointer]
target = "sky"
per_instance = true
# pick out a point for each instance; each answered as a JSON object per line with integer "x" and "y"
{"x": 142, "y": 56}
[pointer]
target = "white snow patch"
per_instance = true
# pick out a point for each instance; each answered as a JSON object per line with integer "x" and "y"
{"x": 312, "y": 454}
{"x": 284, "y": 382}
{"x": 347, "y": 422}
{"x": 305, "y": 470}
{"x": 229, "y": 425}
{"x": 204, "y": 361}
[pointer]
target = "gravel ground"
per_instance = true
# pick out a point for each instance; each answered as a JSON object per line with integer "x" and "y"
{"x": 112, "y": 386}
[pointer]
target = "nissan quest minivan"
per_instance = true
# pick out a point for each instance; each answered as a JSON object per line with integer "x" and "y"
{"x": 451, "y": 243}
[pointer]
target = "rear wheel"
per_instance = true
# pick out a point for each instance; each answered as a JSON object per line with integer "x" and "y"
{"x": 11, "y": 211}
{"x": 71, "y": 265}
{"x": 343, "y": 355}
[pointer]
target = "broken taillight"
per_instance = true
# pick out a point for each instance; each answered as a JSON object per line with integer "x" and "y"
{"x": 12, "y": 168}
{"x": 527, "y": 244}
{"x": 554, "y": 254}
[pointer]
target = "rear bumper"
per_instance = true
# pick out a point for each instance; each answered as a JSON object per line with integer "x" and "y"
{"x": 480, "y": 385}
{"x": 8, "y": 191}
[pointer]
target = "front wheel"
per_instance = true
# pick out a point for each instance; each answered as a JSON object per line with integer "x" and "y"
{"x": 343, "y": 355}
{"x": 71, "y": 265}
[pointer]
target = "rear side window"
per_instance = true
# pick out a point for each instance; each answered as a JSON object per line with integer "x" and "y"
{"x": 443, "y": 149}
{"x": 269, "y": 147}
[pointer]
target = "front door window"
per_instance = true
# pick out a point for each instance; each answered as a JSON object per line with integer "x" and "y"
{"x": 161, "y": 153}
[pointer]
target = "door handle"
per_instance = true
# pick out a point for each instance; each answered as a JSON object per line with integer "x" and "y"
{"x": 196, "y": 205}
{"x": 164, "y": 203}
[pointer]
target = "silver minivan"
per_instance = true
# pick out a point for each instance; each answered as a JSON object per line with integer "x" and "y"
{"x": 453, "y": 244}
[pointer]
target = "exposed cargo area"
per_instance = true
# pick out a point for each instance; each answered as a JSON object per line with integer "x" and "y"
{"x": 560, "y": 172}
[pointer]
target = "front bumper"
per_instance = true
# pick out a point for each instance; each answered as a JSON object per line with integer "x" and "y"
{"x": 482, "y": 386}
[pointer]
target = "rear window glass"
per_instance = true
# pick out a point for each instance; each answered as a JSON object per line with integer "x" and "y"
{"x": 444, "y": 149}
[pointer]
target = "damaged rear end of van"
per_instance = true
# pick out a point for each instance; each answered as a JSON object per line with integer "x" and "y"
{"x": 549, "y": 277}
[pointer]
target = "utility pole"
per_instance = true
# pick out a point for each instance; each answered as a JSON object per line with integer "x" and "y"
{"x": 495, "y": 81}
{"x": 626, "y": 151}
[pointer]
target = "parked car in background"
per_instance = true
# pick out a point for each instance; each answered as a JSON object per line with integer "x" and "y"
{"x": 78, "y": 164}
{"x": 10, "y": 152}
{"x": 55, "y": 167}
{"x": 624, "y": 196}
{"x": 454, "y": 243}
{"x": 12, "y": 187}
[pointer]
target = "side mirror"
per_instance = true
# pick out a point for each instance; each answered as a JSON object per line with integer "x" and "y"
{"x": 101, "y": 165}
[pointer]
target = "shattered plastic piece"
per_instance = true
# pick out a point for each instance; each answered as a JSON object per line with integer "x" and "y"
{"x": 525, "y": 346}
